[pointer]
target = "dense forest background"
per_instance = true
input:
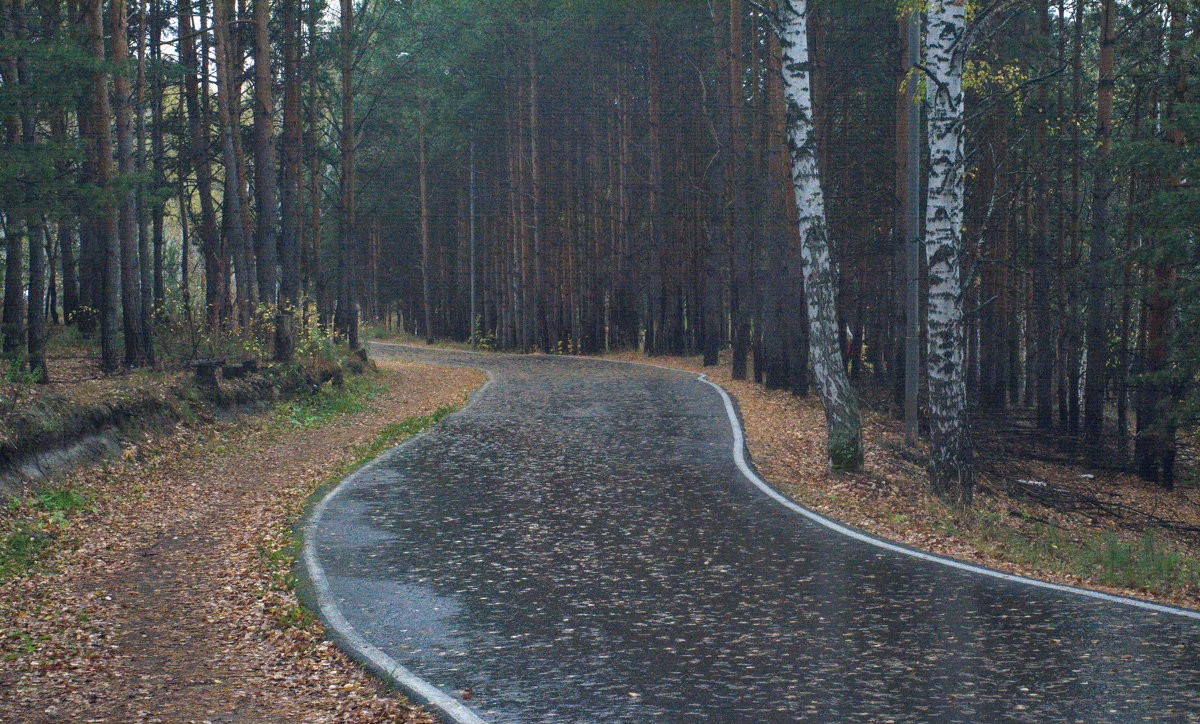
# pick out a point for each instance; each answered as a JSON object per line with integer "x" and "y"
{"x": 187, "y": 180}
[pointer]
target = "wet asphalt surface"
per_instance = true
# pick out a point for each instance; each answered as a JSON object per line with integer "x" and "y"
{"x": 578, "y": 546}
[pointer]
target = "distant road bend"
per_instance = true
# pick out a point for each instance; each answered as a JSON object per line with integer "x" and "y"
{"x": 579, "y": 545}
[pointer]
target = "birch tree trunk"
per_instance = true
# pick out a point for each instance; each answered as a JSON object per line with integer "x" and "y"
{"x": 844, "y": 430}
{"x": 950, "y": 465}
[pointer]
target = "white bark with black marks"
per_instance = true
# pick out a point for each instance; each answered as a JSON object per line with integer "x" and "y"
{"x": 950, "y": 466}
{"x": 844, "y": 442}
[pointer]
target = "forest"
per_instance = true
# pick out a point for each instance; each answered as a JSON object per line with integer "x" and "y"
{"x": 971, "y": 213}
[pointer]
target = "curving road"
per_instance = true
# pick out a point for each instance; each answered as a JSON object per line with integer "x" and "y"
{"x": 578, "y": 545}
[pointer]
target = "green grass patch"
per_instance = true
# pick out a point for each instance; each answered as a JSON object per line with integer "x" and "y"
{"x": 1147, "y": 563}
{"x": 22, "y": 547}
{"x": 278, "y": 551}
{"x": 398, "y": 432}
{"x": 32, "y": 525}
{"x": 330, "y": 402}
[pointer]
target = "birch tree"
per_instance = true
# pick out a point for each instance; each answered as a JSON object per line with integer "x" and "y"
{"x": 950, "y": 468}
{"x": 844, "y": 430}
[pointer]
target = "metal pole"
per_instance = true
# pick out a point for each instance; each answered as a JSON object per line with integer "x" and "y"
{"x": 912, "y": 235}
{"x": 472, "y": 197}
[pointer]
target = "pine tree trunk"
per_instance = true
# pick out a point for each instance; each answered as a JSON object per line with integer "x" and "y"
{"x": 1155, "y": 447}
{"x": 109, "y": 246}
{"x": 1097, "y": 327}
{"x": 212, "y": 246}
{"x": 265, "y": 168}
{"x": 35, "y": 330}
{"x": 289, "y": 238}
{"x": 158, "y": 153}
{"x": 14, "y": 289}
{"x": 781, "y": 265}
{"x": 135, "y": 352}
{"x": 231, "y": 216}
{"x": 739, "y": 288}
{"x": 843, "y": 427}
{"x": 348, "y": 302}
{"x": 145, "y": 265}
{"x": 426, "y": 257}
{"x": 656, "y": 240}
{"x": 951, "y": 472}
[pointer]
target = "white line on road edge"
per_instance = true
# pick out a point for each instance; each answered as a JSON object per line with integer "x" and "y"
{"x": 739, "y": 457}
{"x": 351, "y": 638}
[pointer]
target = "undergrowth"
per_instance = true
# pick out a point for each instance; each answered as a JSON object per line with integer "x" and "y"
{"x": 31, "y": 525}
{"x": 328, "y": 403}
{"x": 1146, "y": 563}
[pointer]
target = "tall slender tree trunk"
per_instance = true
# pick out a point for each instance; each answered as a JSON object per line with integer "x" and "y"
{"x": 538, "y": 297}
{"x": 739, "y": 289}
{"x": 136, "y": 354}
{"x": 426, "y": 256}
{"x": 1097, "y": 327}
{"x": 145, "y": 266}
{"x": 14, "y": 289}
{"x": 348, "y": 303}
{"x": 35, "y": 330}
{"x": 909, "y": 224}
{"x": 212, "y": 246}
{"x": 1155, "y": 447}
{"x": 951, "y": 473}
{"x": 1069, "y": 376}
{"x": 87, "y": 314}
{"x": 1041, "y": 370}
{"x": 232, "y": 213}
{"x": 109, "y": 244}
{"x": 780, "y": 324}
{"x": 289, "y": 238}
{"x": 656, "y": 240}
{"x": 157, "y": 152}
{"x": 843, "y": 426}
{"x": 265, "y": 169}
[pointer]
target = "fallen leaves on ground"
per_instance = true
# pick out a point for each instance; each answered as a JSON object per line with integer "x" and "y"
{"x": 170, "y": 601}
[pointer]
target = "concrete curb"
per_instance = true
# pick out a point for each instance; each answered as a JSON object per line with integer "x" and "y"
{"x": 343, "y": 632}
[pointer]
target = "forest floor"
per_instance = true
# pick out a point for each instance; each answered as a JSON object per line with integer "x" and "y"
{"x": 162, "y": 588}
{"x": 1036, "y": 513}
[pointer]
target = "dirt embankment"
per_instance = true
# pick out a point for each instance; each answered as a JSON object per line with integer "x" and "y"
{"x": 171, "y": 599}
{"x": 63, "y": 427}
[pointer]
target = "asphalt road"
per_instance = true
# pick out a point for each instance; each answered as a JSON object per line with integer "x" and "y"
{"x": 578, "y": 545}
